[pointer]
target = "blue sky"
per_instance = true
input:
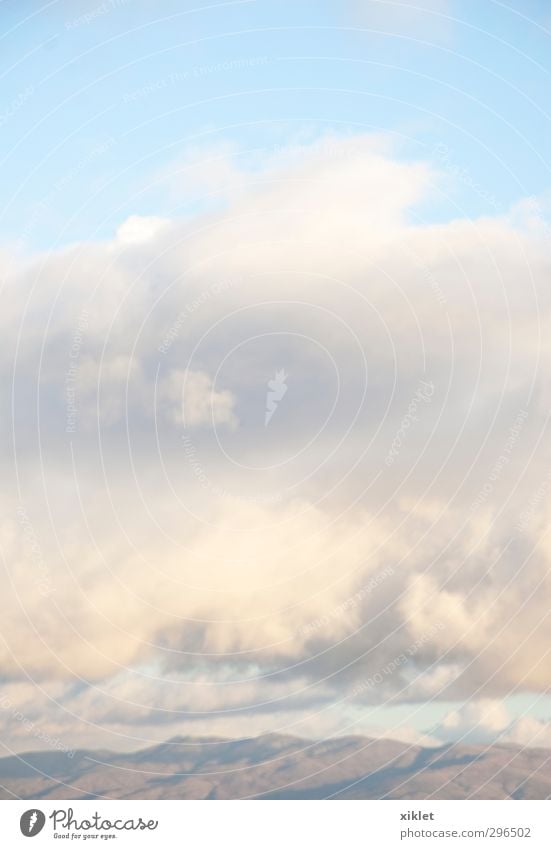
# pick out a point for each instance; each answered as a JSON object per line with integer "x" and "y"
{"x": 356, "y": 188}
{"x": 468, "y": 76}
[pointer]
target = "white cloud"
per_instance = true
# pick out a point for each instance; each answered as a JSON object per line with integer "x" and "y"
{"x": 488, "y": 721}
{"x": 476, "y": 722}
{"x": 529, "y": 731}
{"x": 195, "y": 402}
{"x": 166, "y": 558}
{"x": 140, "y": 228}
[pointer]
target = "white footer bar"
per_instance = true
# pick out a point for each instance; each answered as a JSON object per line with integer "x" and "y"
{"x": 277, "y": 824}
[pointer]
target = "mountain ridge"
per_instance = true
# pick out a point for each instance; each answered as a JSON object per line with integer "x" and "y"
{"x": 275, "y": 766}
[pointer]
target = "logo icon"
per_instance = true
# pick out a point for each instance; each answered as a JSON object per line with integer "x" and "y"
{"x": 32, "y": 822}
{"x": 276, "y": 390}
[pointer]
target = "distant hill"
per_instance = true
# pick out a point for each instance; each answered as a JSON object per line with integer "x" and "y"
{"x": 281, "y": 767}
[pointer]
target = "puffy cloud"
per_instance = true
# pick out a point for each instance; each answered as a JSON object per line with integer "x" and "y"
{"x": 489, "y": 721}
{"x": 529, "y": 731}
{"x": 140, "y": 228}
{"x": 194, "y": 400}
{"x": 477, "y": 722}
{"x": 291, "y": 548}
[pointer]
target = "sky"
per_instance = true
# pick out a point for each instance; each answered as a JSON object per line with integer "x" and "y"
{"x": 274, "y": 371}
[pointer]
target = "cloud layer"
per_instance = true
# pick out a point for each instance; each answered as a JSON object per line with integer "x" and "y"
{"x": 159, "y": 527}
